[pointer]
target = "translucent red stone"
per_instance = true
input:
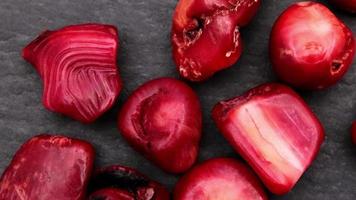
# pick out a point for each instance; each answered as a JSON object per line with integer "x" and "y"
{"x": 274, "y": 130}
{"x": 78, "y": 67}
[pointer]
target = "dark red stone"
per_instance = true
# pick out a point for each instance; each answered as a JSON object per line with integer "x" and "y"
{"x": 124, "y": 183}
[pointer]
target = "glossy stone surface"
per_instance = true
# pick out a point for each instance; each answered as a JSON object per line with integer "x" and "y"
{"x": 77, "y": 64}
{"x": 145, "y": 54}
{"x": 310, "y": 47}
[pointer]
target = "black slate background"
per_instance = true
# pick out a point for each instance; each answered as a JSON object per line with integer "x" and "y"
{"x": 145, "y": 54}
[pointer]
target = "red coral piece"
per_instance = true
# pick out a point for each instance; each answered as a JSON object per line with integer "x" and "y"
{"x": 48, "y": 168}
{"x": 162, "y": 120}
{"x": 219, "y": 178}
{"x": 78, "y": 67}
{"x": 310, "y": 47}
{"x": 206, "y": 35}
{"x": 124, "y": 183}
{"x": 274, "y": 130}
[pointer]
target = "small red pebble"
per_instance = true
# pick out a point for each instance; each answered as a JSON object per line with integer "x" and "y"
{"x": 274, "y": 130}
{"x": 206, "y": 35}
{"x": 353, "y": 132}
{"x": 124, "y": 183}
{"x": 162, "y": 120}
{"x": 78, "y": 67}
{"x": 48, "y": 168}
{"x": 217, "y": 179}
{"x": 310, "y": 47}
{"x": 348, "y": 5}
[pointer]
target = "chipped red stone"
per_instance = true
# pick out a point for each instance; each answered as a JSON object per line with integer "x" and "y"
{"x": 78, "y": 67}
{"x": 206, "y": 35}
{"x": 219, "y": 178}
{"x": 274, "y": 130}
{"x": 162, "y": 120}
{"x": 48, "y": 168}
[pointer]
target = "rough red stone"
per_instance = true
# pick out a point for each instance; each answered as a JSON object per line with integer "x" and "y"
{"x": 206, "y": 35}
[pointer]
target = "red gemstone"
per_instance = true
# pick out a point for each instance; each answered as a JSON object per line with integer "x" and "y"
{"x": 348, "y": 5}
{"x": 275, "y": 132}
{"x": 78, "y": 67}
{"x": 219, "y": 178}
{"x": 162, "y": 120}
{"x": 310, "y": 47}
{"x": 206, "y": 35}
{"x": 124, "y": 183}
{"x": 48, "y": 168}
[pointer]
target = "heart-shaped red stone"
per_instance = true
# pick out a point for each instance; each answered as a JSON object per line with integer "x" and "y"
{"x": 78, "y": 67}
{"x": 163, "y": 121}
{"x": 274, "y": 130}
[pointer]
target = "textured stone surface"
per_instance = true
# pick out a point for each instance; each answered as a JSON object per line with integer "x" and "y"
{"x": 144, "y": 28}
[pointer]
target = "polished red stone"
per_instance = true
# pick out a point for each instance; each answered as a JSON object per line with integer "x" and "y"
{"x": 274, "y": 130}
{"x": 206, "y": 35}
{"x": 78, "y": 67}
{"x": 162, "y": 120}
{"x": 310, "y": 47}
{"x": 124, "y": 183}
{"x": 348, "y": 5}
{"x": 48, "y": 168}
{"x": 219, "y": 178}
